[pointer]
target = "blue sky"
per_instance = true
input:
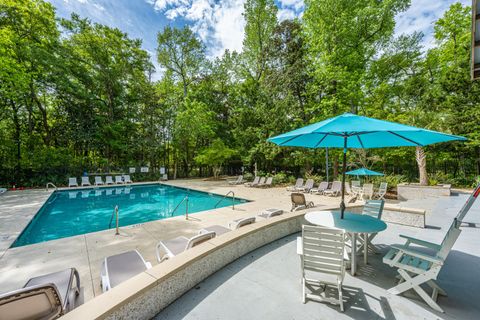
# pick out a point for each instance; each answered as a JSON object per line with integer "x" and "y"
{"x": 219, "y": 23}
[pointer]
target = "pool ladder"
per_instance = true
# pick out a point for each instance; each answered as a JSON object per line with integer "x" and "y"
{"x": 114, "y": 213}
{"x": 51, "y": 184}
{"x": 178, "y": 205}
{"x": 225, "y": 196}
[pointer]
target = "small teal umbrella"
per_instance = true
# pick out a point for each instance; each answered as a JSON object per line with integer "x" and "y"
{"x": 352, "y": 131}
{"x": 364, "y": 172}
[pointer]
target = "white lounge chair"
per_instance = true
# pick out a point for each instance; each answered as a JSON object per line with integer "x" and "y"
{"x": 72, "y": 182}
{"x": 356, "y": 188}
{"x": 381, "y": 192}
{"x": 45, "y": 297}
{"x": 253, "y": 183}
{"x": 266, "y": 184}
{"x": 321, "y": 253}
{"x": 297, "y": 186}
{"x": 120, "y": 267}
{"x": 321, "y": 187}
{"x": 118, "y": 180}
{"x": 175, "y": 246}
{"x": 336, "y": 189}
{"x": 85, "y": 181}
{"x": 236, "y": 224}
{"x": 269, "y": 213}
{"x": 238, "y": 181}
{"x": 98, "y": 181}
{"x": 109, "y": 180}
{"x": 3, "y": 190}
{"x": 417, "y": 267}
{"x": 307, "y": 187}
{"x": 260, "y": 182}
{"x": 299, "y": 202}
{"x": 127, "y": 179}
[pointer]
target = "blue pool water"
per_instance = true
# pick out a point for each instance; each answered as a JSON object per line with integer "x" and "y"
{"x": 73, "y": 212}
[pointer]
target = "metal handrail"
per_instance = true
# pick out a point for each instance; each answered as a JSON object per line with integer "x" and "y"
{"x": 178, "y": 205}
{"x": 115, "y": 212}
{"x": 51, "y": 183}
{"x": 233, "y": 199}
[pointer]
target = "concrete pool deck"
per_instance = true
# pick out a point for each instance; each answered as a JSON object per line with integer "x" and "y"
{"x": 86, "y": 252}
{"x": 265, "y": 284}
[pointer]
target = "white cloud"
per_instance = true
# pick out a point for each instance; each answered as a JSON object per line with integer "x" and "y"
{"x": 286, "y": 14}
{"x": 298, "y": 5}
{"x": 421, "y": 16}
{"x": 219, "y": 24}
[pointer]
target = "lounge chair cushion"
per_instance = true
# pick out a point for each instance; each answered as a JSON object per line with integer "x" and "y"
{"x": 61, "y": 279}
{"x": 175, "y": 246}
{"x": 123, "y": 266}
{"x": 219, "y": 230}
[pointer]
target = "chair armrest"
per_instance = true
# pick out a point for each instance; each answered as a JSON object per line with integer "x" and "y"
{"x": 423, "y": 243}
{"x": 148, "y": 265}
{"x": 417, "y": 254}
{"x": 299, "y": 246}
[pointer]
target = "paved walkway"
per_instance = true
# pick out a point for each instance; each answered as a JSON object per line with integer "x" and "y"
{"x": 86, "y": 252}
{"x": 265, "y": 284}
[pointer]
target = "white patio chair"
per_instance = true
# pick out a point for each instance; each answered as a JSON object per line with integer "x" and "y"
{"x": 417, "y": 267}
{"x": 335, "y": 190}
{"x": 72, "y": 182}
{"x": 120, "y": 267}
{"x": 109, "y": 180}
{"x": 322, "y": 252}
{"x": 253, "y": 183}
{"x": 321, "y": 187}
{"x": 381, "y": 192}
{"x": 356, "y": 188}
{"x": 268, "y": 183}
{"x": 367, "y": 191}
{"x": 127, "y": 179}
{"x": 86, "y": 181}
{"x": 308, "y": 186}
{"x": 298, "y": 184}
{"x": 373, "y": 208}
{"x": 175, "y": 246}
{"x": 118, "y": 180}
{"x": 299, "y": 202}
{"x": 98, "y": 181}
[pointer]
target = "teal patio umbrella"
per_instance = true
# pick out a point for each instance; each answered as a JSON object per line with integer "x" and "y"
{"x": 364, "y": 172}
{"x": 353, "y": 131}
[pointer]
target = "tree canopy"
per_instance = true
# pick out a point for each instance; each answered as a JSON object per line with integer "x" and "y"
{"x": 78, "y": 96}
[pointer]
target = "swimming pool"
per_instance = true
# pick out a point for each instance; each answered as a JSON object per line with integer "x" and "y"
{"x": 73, "y": 212}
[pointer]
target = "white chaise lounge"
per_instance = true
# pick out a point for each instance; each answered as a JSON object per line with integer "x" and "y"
{"x": 175, "y": 246}
{"x": 72, "y": 182}
{"x": 121, "y": 267}
{"x": 85, "y": 181}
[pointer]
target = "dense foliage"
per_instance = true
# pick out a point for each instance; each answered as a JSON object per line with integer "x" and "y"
{"x": 78, "y": 96}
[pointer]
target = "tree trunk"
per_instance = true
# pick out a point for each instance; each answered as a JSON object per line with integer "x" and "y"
{"x": 421, "y": 158}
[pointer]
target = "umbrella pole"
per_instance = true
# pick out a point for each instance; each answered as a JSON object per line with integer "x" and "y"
{"x": 342, "y": 204}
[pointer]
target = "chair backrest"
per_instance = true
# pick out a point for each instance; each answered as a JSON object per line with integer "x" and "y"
{"x": 468, "y": 204}
{"x": 337, "y": 186}
{"x": 108, "y": 179}
{"x": 309, "y": 184}
{"x": 368, "y": 189}
{"x": 72, "y": 181}
{"x": 347, "y": 187}
{"x": 244, "y": 222}
{"x": 262, "y": 180}
{"x": 239, "y": 179}
{"x": 323, "y": 250}
{"x": 85, "y": 180}
{"x": 256, "y": 179}
{"x": 131, "y": 170}
{"x": 383, "y": 187}
{"x": 35, "y": 302}
{"x": 298, "y": 199}
{"x": 269, "y": 180}
{"x": 118, "y": 179}
{"x": 200, "y": 238}
{"x": 98, "y": 179}
{"x": 126, "y": 177}
{"x": 323, "y": 186}
{"x": 299, "y": 183}
{"x": 373, "y": 208}
{"x": 356, "y": 183}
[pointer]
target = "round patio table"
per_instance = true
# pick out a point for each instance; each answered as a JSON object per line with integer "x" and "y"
{"x": 353, "y": 223}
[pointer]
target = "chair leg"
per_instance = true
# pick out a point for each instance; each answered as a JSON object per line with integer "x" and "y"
{"x": 437, "y": 288}
{"x": 414, "y": 283}
{"x": 303, "y": 290}
{"x": 340, "y": 297}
